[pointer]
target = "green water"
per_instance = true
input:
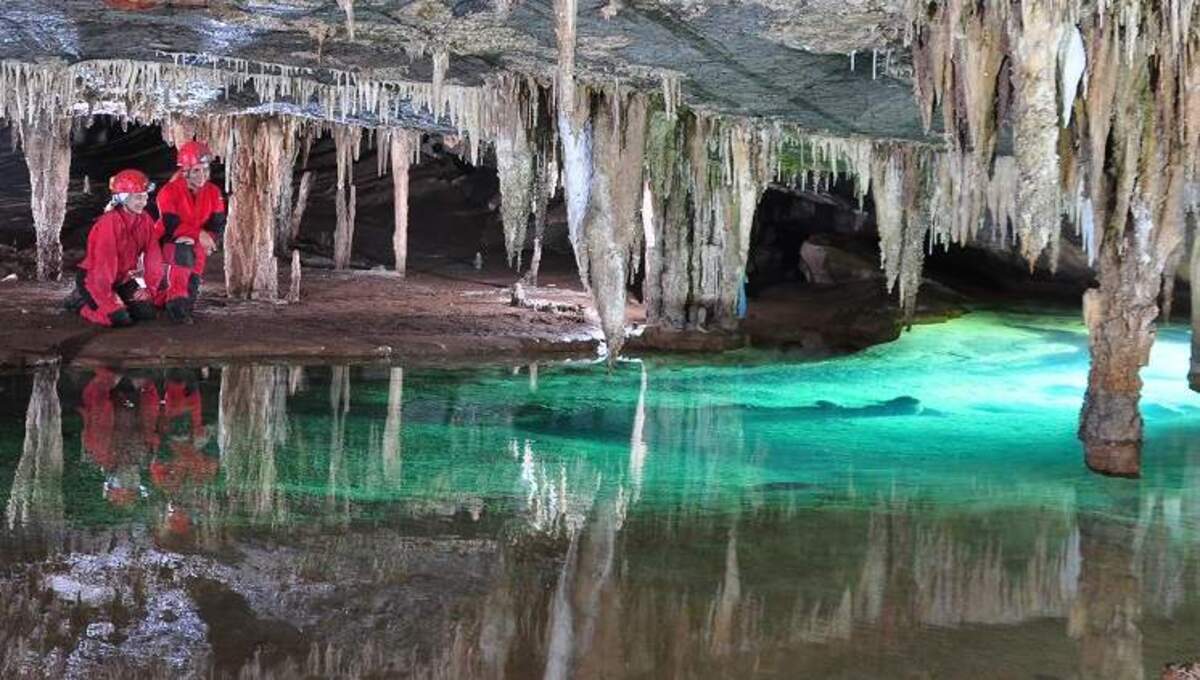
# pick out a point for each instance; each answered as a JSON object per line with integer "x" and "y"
{"x": 917, "y": 510}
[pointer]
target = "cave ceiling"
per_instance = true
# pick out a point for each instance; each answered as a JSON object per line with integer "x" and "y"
{"x": 779, "y": 60}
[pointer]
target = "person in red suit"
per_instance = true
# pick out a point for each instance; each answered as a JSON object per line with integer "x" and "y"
{"x": 191, "y": 222}
{"x": 183, "y": 424}
{"x": 107, "y": 289}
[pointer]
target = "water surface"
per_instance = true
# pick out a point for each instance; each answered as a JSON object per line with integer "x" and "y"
{"x": 917, "y": 510}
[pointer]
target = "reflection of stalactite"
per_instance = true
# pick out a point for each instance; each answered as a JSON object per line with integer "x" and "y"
{"x": 339, "y": 407}
{"x": 637, "y": 440}
{"x": 36, "y": 499}
{"x": 393, "y": 430}
{"x": 253, "y": 422}
{"x": 725, "y": 604}
{"x": 577, "y": 607}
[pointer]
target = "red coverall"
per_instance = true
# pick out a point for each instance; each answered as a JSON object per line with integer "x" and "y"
{"x": 109, "y": 291}
{"x": 183, "y": 214}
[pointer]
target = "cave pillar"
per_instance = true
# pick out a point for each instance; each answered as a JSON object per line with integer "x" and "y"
{"x": 47, "y": 143}
{"x": 1120, "y": 319}
{"x": 265, "y": 152}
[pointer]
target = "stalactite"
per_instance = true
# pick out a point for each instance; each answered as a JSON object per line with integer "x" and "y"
{"x": 1035, "y": 128}
{"x": 1168, "y": 284}
{"x": 36, "y": 497}
{"x": 610, "y": 226}
{"x": 306, "y": 182}
{"x": 262, "y": 163}
{"x": 348, "y": 7}
{"x": 46, "y": 140}
{"x": 441, "y": 65}
{"x": 515, "y": 158}
{"x": 347, "y": 139}
{"x": 283, "y": 211}
{"x": 543, "y": 187}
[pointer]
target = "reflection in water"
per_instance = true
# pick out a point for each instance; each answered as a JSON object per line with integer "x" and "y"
{"x": 659, "y": 521}
{"x": 36, "y": 498}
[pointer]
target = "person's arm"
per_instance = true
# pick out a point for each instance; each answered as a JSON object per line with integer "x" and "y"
{"x": 102, "y": 274}
{"x": 168, "y": 212}
{"x": 214, "y": 228}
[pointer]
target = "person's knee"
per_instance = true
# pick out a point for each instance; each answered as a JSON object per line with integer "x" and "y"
{"x": 194, "y": 286}
{"x": 185, "y": 255}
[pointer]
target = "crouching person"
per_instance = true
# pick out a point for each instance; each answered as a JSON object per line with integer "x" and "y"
{"x": 107, "y": 291}
{"x": 191, "y": 222}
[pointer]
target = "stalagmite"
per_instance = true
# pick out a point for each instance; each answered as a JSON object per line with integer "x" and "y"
{"x": 46, "y": 140}
{"x": 306, "y": 181}
{"x": 294, "y": 285}
{"x": 403, "y": 146}
{"x": 36, "y": 497}
{"x": 265, "y": 148}
{"x": 347, "y": 139}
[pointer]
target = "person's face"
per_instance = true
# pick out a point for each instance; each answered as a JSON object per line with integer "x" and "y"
{"x": 196, "y": 176}
{"x": 136, "y": 203}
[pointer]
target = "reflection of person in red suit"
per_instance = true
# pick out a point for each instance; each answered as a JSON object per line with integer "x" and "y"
{"x": 119, "y": 418}
{"x": 186, "y": 466}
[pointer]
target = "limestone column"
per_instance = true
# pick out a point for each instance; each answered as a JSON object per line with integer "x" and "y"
{"x": 265, "y": 152}
{"x": 47, "y": 144}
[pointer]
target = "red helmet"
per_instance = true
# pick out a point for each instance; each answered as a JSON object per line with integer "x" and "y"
{"x": 192, "y": 154}
{"x": 130, "y": 182}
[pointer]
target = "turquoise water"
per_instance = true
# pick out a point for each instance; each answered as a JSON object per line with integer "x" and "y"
{"x": 916, "y": 510}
